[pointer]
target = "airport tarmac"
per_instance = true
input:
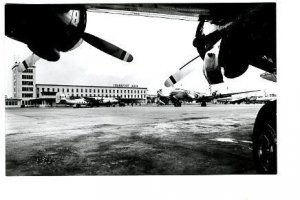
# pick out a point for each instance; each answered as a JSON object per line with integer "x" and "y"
{"x": 140, "y": 140}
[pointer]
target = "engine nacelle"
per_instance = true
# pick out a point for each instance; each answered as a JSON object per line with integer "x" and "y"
{"x": 46, "y": 30}
{"x": 211, "y": 67}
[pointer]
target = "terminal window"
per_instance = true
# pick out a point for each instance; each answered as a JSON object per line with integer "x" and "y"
{"x": 27, "y": 83}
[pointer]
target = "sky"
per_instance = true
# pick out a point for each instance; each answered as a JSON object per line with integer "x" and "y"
{"x": 159, "y": 47}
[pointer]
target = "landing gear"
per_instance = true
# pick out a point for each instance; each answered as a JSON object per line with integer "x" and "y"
{"x": 177, "y": 104}
{"x": 265, "y": 140}
{"x": 203, "y": 104}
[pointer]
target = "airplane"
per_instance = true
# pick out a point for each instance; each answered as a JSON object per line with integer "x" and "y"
{"x": 177, "y": 96}
{"x": 76, "y": 103}
{"x": 229, "y": 38}
{"x": 105, "y": 101}
{"x": 231, "y": 100}
{"x": 265, "y": 99}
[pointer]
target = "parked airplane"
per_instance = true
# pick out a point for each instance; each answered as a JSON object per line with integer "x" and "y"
{"x": 265, "y": 99}
{"x": 76, "y": 103}
{"x": 177, "y": 96}
{"x": 232, "y": 100}
{"x": 105, "y": 101}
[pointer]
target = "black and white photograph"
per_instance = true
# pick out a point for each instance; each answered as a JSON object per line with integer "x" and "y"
{"x": 140, "y": 89}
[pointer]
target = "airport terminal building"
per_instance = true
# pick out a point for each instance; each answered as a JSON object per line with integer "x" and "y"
{"x": 31, "y": 93}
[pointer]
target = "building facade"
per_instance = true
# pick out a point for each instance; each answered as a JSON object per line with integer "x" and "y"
{"x": 33, "y": 94}
{"x": 46, "y": 93}
{"x": 24, "y": 84}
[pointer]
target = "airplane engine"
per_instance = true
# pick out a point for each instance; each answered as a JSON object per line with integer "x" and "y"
{"x": 246, "y": 39}
{"x": 46, "y": 30}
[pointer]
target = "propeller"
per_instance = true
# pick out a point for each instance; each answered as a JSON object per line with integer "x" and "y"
{"x": 107, "y": 47}
{"x": 211, "y": 68}
{"x": 28, "y": 62}
{"x": 181, "y": 73}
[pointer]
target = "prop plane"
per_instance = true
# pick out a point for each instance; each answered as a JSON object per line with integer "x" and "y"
{"x": 76, "y": 103}
{"x": 177, "y": 96}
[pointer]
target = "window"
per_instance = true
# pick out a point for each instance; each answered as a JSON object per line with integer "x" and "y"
{"x": 67, "y": 89}
{"x": 85, "y": 90}
{"x": 27, "y": 95}
{"x": 76, "y": 89}
{"x": 63, "y": 90}
{"x": 90, "y": 90}
{"x": 27, "y": 77}
{"x": 105, "y": 91}
{"x": 27, "y": 89}
{"x": 94, "y": 90}
{"x": 57, "y": 89}
{"x": 27, "y": 83}
{"x": 102, "y": 90}
{"x": 28, "y": 71}
{"x": 81, "y": 90}
{"x": 53, "y": 89}
{"x": 113, "y": 91}
{"x": 109, "y": 91}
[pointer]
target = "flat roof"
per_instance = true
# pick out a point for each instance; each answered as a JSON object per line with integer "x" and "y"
{"x": 60, "y": 85}
{"x": 18, "y": 63}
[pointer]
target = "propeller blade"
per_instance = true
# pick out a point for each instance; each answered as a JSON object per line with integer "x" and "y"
{"x": 107, "y": 47}
{"x": 181, "y": 73}
{"x": 28, "y": 62}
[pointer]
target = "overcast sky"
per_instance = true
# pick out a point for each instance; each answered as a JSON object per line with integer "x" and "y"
{"x": 159, "y": 47}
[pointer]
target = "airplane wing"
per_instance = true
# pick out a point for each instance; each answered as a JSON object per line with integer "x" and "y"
{"x": 183, "y": 11}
